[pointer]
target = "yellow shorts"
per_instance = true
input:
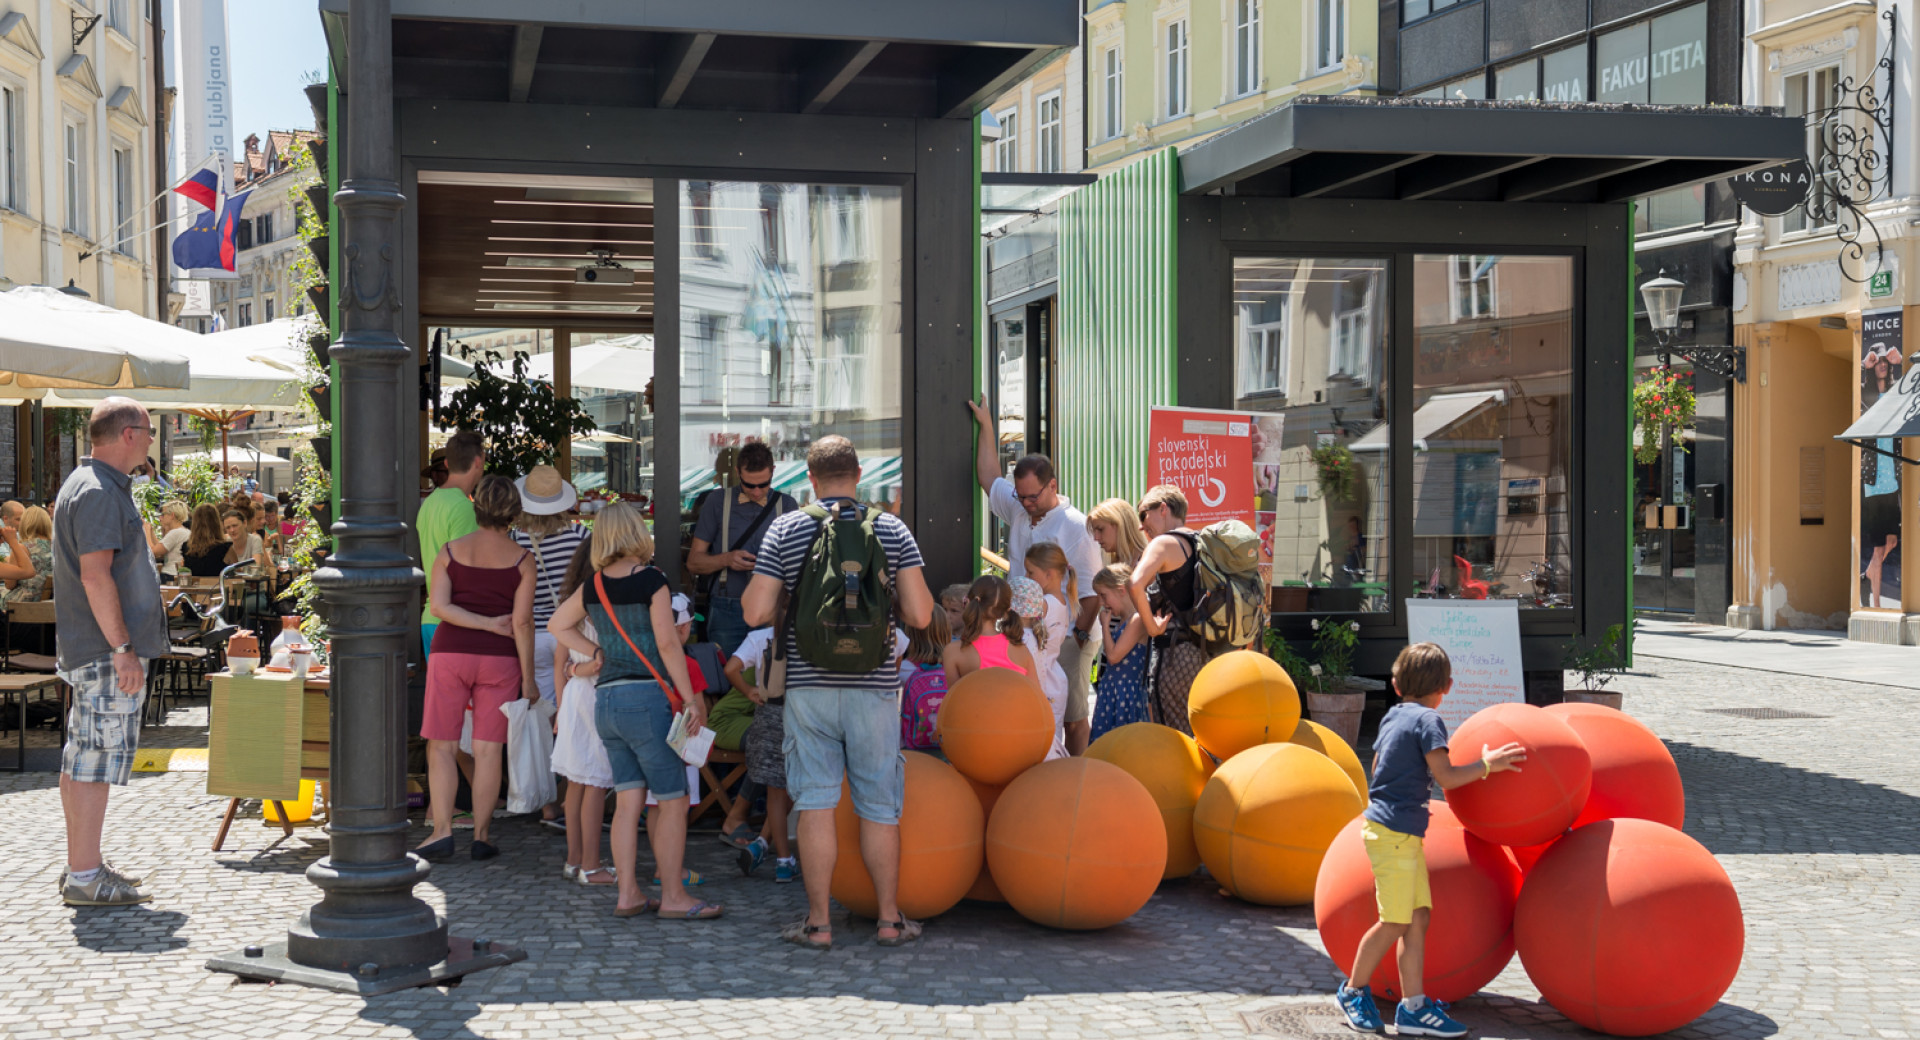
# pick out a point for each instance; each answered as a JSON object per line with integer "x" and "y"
{"x": 1399, "y": 872}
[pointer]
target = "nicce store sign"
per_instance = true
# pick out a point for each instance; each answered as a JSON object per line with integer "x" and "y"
{"x": 1775, "y": 190}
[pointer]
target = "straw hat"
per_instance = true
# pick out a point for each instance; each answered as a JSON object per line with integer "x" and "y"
{"x": 543, "y": 493}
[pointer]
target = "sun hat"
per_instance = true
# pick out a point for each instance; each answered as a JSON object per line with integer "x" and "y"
{"x": 1028, "y": 599}
{"x": 682, "y": 608}
{"x": 544, "y": 493}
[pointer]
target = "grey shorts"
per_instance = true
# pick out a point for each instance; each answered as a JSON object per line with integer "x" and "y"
{"x": 835, "y": 733}
{"x": 103, "y": 726}
{"x": 766, "y": 764}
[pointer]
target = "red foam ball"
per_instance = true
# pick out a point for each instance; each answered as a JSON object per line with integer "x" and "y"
{"x": 1633, "y": 773}
{"x": 1629, "y": 927}
{"x": 1475, "y": 887}
{"x": 1539, "y": 802}
{"x": 1525, "y": 856}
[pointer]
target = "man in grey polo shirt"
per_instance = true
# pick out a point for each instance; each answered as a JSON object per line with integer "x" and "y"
{"x": 109, "y": 623}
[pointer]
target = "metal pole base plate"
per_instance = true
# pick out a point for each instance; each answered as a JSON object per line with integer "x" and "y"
{"x": 269, "y": 963}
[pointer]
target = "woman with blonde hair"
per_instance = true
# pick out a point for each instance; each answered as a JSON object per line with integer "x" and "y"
{"x": 642, "y": 682}
{"x": 173, "y": 535}
{"x": 32, "y": 551}
{"x": 1116, "y": 526}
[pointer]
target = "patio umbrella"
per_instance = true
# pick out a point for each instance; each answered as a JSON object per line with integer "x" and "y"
{"x": 623, "y": 364}
{"x": 49, "y": 339}
{"x": 247, "y": 457}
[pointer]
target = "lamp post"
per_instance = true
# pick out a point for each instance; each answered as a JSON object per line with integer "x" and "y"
{"x": 1662, "y": 298}
{"x": 368, "y": 933}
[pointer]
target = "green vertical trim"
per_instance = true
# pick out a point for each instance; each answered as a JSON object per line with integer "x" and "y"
{"x": 1116, "y": 345}
{"x": 980, "y": 341}
{"x": 1626, "y": 450}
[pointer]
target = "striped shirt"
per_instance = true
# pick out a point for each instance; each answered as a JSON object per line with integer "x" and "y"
{"x": 550, "y": 562}
{"x": 781, "y": 554}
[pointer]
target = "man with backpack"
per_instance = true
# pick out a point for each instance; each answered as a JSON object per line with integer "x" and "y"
{"x": 852, "y": 573}
{"x": 727, "y": 537}
{"x": 1197, "y": 592}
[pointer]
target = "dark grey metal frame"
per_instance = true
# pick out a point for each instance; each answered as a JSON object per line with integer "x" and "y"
{"x": 1214, "y": 230}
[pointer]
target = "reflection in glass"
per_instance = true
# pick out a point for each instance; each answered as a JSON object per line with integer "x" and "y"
{"x": 610, "y": 375}
{"x": 1311, "y": 359}
{"x": 1492, "y": 428}
{"x": 790, "y": 328}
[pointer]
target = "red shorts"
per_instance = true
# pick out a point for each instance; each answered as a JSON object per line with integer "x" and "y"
{"x": 456, "y": 682}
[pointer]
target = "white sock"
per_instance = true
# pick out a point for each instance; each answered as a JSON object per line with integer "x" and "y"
{"x": 83, "y": 877}
{"x": 783, "y": 860}
{"x": 1414, "y": 1002}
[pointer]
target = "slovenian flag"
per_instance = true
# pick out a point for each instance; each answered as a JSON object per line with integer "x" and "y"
{"x": 204, "y": 184}
{"x": 211, "y": 242}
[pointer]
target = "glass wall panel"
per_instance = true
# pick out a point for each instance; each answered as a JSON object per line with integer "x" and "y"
{"x": 1563, "y": 75}
{"x": 790, "y": 328}
{"x": 1311, "y": 346}
{"x": 1621, "y": 64}
{"x": 610, "y": 373}
{"x": 1518, "y": 82}
{"x": 1493, "y": 428}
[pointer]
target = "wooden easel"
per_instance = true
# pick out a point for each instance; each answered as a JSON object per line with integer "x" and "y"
{"x": 233, "y": 806}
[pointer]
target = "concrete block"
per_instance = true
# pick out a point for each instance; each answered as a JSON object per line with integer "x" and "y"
{"x": 1886, "y": 629}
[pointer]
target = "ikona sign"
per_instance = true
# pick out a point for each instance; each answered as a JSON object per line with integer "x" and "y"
{"x": 1208, "y": 455}
{"x": 1775, "y": 190}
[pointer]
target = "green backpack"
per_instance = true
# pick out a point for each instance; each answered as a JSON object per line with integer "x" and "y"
{"x": 843, "y": 603}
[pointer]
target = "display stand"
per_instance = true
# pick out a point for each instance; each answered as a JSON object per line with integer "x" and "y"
{"x": 256, "y": 742}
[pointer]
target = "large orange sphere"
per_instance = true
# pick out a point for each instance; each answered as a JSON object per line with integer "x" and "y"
{"x": 994, "y": 725}
{"x": 1240, "y": 700}
{"x": 1311, "y": 734}
{"x": 1629, "y": 927}
{"x": 1266, "y": 818}
{"x": 1076, "y": 843}
{"x": 941, "y": 830}
{"x": 1633, "y": 772}
{"x": 1173, "y": 770}
{"x": 1540, "y": 801}
{"x": 1475, "y": 887}
{"x": 983, "y": 887}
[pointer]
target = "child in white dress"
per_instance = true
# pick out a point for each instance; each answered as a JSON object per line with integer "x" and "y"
{"x": 578, "y": 753}
{"x": 1043, "y": 642}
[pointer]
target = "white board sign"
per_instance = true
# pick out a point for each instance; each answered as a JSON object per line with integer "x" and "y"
{"x": 1482, "y": 639}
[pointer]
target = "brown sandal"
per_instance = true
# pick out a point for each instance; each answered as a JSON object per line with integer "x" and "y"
{"x": 905, "y": 931}
{"x": 651, "y": 906}
{"x": 800, "y": 933}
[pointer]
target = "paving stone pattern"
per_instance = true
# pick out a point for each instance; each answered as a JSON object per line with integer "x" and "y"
{"x": 1815, "y": 819}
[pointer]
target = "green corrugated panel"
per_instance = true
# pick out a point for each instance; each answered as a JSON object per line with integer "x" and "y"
{"x": 1116, "y": 338}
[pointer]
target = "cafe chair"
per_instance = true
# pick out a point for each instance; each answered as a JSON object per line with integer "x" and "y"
{"x": 38, "y": 613}
{"x": 1470, "y": 587}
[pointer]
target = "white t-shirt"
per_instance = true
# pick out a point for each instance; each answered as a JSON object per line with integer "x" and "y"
{"x": 171, "y": 541}
{"x": 1065, "y": 527}
{"x": 753, "y": 649}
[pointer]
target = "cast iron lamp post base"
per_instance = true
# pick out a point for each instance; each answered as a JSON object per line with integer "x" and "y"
{"x": 463, "y": 956}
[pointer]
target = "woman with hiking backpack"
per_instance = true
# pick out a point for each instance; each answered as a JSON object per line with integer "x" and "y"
{"x": 1163, "y": 587}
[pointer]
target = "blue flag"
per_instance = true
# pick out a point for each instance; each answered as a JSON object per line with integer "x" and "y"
{"x": 211, "y": 241}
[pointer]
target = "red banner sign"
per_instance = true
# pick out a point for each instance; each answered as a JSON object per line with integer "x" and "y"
{"x": 1208, "y": 455}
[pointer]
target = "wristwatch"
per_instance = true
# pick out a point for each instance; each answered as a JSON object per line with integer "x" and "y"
{"x": 1082, "y": 634}
{"x": 123, "y": 648}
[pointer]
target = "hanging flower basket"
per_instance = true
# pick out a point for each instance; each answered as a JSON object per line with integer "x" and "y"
{"x": 1336, "y": 471}
{"x": 1663, "y": 399}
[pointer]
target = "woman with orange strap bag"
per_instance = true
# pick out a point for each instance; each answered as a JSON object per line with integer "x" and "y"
{"x": 641, "y": 683}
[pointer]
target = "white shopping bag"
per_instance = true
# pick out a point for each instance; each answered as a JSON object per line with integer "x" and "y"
{"x": 529, "y": 754}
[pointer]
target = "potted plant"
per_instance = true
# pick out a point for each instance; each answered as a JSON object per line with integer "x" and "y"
{"x": 1333, "y": 699}
{"x": 1597, "y": 666}
{"x": 1665, "y": 398}
{"x": 1336, "y": 471}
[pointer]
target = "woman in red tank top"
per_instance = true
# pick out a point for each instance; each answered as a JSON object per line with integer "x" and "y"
{"x": 481, "y": 659}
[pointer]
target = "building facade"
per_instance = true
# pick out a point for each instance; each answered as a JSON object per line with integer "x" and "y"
{"x": 269, "y": 232}
{"x": 1820, "y": 525}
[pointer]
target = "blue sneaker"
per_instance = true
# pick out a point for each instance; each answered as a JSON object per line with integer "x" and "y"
{"x": 1358, "y": 1006}
{"x": 752, "y": 855}
{"x": 1431, "y": 1019}
{"x": 786, "y": 871}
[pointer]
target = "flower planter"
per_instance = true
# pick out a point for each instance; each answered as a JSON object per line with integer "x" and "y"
{"x": 1604, "y": 698}
{"x": 1339, "y": 711}
{"x": 1289, "y": 599}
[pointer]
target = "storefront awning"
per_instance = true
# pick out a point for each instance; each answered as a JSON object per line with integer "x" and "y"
{"x": 1504, "y": 151}
{"x": 1894, "y": 416}
{"x": 1440, "y": 413}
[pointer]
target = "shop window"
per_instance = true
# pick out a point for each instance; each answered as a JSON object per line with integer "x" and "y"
{"x": 787, "y": 354}
{"x": 1311, "y": 345}
{"x": 1006, "y": 151}
{"x": 1492, "y": 444}
{"x": 1811, "y": 95}
{"x": 1246, "y": 47}
{"x": 1046, "y": 144}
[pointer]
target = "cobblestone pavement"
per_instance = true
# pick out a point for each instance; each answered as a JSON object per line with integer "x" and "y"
{"x": 1815, "y": 819}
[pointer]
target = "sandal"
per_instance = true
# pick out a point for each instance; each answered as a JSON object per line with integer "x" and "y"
{"x": 693, "y": 879}
{"x": 648, "y": 907}
{"x": 905, "y": 931}
{"x": 595, "y": 876}
{"x": 800, "y": 933}
{"x": 570, "y": 872}
{"x": 698, "y": 912}
{"x": 739, "y": 837}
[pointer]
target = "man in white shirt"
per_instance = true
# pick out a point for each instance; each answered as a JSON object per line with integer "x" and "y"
{"x": 1036, "y": 511}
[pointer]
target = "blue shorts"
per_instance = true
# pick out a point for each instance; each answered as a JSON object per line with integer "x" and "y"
{"x": 103, "y": 725}
{"x": 834, "y": 732}
{"x": 633, "y": 717}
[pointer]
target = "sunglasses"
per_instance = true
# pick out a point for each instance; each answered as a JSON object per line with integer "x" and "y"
{"x": 751, "y": 486}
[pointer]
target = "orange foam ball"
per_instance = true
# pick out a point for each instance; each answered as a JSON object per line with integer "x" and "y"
{"x": 1240, "y": 700}
{"x": 1536, "y": 804}
{"x": 1633, "y": 772}
{"x": 1264, "y": 821}
{"x": 994, "y": 725}
{"x": 1174, "y": 771}
{"x": 1311, "y": 734}
{"x": 1076, "y": 843}
{"x": 983, "y": 887}
{"x": 1629, "y": 927}
{"x": 1470, "y": 938}
{"x": 941, "y": 831}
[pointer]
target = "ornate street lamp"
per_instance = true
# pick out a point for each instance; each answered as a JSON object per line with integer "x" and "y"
{"x": 1662, "y": 298}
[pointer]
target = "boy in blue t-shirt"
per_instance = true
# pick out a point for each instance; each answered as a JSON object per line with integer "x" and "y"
{"x": 1409, "y": 756}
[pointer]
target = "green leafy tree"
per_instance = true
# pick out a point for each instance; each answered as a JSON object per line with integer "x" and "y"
{"x": 523, "y": 421}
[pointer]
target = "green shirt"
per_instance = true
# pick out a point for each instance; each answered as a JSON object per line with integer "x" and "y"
{"x": 445, "y": 515}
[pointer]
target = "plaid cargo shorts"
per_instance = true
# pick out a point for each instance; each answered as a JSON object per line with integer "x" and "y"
{"x": 103, "y": 726}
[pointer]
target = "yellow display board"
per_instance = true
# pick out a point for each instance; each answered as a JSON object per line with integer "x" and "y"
{"x": 254, "y": 736}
